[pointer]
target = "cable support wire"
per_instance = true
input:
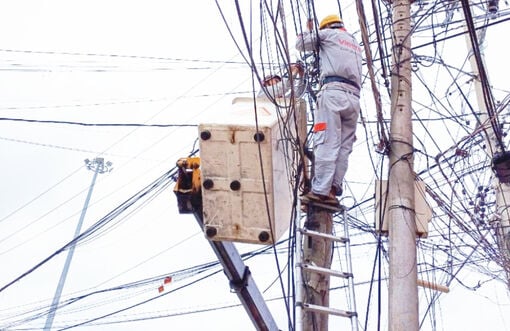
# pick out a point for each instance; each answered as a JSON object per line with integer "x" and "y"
{"x": 488, "y": 97}
{"x": 107, "y": 221}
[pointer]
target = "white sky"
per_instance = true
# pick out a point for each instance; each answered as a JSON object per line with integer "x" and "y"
{"x": 57, "y": 64}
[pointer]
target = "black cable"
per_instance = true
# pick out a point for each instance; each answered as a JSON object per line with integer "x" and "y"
{"x": 165, "y": 179}
{"x": 96, "y": 124}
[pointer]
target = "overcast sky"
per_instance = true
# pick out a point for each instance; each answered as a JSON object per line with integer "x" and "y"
{"x": 150, "y": 62}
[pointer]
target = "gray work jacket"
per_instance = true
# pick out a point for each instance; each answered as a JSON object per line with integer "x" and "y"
{"x": 339, "y": 53}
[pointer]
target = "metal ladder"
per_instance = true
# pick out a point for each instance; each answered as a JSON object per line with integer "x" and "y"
{"x": 302, "y": 267}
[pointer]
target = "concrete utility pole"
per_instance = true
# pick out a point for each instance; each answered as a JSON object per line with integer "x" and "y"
{"x": 403, "y": 290}
{"x": 502, "y": 215}
{"x": 99, "y": 168}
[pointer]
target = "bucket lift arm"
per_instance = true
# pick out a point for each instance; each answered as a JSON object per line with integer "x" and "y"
{"x": 189, "y": 199}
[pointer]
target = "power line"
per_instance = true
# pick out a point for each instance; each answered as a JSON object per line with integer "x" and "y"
{"x": 96, "y": 124}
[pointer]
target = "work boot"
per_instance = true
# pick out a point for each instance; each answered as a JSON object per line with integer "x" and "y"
{"x": 335, "y": 192}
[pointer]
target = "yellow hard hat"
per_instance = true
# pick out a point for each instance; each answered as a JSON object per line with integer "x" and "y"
{"x": 328, "y": 20}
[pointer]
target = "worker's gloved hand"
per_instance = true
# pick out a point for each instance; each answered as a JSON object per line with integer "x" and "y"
{"x": 297, "y": 69}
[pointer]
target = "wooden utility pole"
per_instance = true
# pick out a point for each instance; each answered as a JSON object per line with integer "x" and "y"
{"x": 317, "y": 251}
{"x": 403, "y": 290}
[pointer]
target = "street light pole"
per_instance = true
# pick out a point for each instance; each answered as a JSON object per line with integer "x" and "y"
{"x": 99, "y": 167}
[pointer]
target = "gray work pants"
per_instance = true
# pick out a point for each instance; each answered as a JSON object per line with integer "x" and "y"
{"x": 332, "y": 143}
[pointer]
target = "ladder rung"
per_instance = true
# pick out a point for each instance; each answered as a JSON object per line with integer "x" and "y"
{"x": 327, "y": 310}
{"x": 325, "y": 270}
{"x": 323, "y": 235}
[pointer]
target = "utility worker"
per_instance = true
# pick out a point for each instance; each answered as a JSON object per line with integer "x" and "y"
{"x": 273, "y": 86}
{"x": 338, "y": 105}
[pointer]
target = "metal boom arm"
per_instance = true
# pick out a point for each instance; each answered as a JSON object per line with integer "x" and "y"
{"x": 242, "y": 282}
{"x": 189, "y": 198}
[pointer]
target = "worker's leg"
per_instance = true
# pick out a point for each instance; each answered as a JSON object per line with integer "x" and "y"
{"x": 326, "y": 139}
{"x": 349, "y": 117}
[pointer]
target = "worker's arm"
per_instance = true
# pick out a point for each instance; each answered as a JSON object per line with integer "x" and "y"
{"x": 307, "y": 41}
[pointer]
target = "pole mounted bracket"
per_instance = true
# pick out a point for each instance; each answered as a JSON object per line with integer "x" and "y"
{"x": 237, "y": 285}
{"x": 501, "y": 166}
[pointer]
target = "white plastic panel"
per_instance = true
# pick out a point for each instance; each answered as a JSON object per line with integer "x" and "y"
{"x": 246, "y": 191}
{"x": 422, "y": 208}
